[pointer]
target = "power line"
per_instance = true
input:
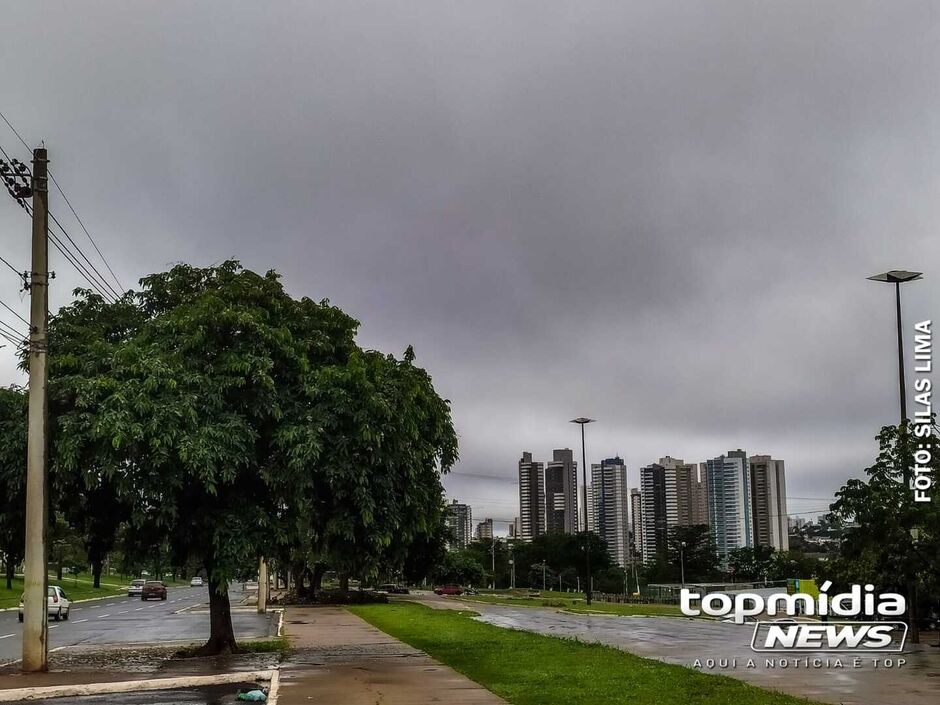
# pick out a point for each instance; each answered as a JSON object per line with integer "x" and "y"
{"x": 102, "y": 281}
{"x": 18, "y": 272}
{"x": 14, "y": 313}
{"x": 6, "y": 327}
{"x": 80, "y": 221}
{"x": 18, "y": 136}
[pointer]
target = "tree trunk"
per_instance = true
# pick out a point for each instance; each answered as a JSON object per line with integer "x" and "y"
{"x": 344, "y": 582}
{"x": 10, "y": 570}
{"x": 221, "y": 633}
{"x": 96, "y": 572}
{"x": 317, "y": 583}
{"x": 58, "y": 569}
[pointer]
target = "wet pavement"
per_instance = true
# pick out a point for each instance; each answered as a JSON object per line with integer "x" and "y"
{"x": 206, "y": 695}
{"x": 183, "y": 617}
{"x": 681, "y": 641}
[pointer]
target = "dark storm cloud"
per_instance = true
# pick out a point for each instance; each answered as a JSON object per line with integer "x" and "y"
{"x": 657, "y": 214}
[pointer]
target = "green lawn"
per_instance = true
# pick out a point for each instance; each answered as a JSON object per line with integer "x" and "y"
{"x": 530, "y": 669}
{"x": 571, "y": 602}
{"x": 76, "y": 587}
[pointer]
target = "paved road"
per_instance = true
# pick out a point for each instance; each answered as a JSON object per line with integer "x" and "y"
{"x": 206, "y": 695}
{"x": 128, "y": 620}
{"x": 679, "y": 640}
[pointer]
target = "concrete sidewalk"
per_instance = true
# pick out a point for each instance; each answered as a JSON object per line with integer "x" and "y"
{"x": 339, "y": 659}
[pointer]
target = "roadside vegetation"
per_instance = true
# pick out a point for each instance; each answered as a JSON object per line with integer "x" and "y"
{"x": 531, "y": 669}
{"x": 571, "y": 602}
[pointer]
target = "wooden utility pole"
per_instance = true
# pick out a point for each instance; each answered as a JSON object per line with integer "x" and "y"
{"x": 263, "y": 587}
{"x": 35, "y": 606}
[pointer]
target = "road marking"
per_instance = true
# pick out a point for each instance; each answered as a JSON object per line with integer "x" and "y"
{"x": 7, "y": 636}
{"x": 54, "y": 626}
{"x": 79, "y": 621}
{"x": 138, "y": 609}
{"x": 124, "y": 612}
{"x": 102, "y": 616}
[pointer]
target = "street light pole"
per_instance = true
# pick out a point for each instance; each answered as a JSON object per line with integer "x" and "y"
{"x": 588, "y": 583}
{"x": 898, "y": 277}
{"x": 543, "y": 576}
{"x": 682, "y": 561}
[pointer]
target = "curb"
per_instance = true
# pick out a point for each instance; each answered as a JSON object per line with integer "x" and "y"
{"x": 60, "y": 691}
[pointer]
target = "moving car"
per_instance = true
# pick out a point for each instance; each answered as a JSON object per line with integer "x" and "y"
{"x": 448, "y": 590}
{"x": 59, "y": 604}
{"x": 393, "y": 589}
{"x": 195, "y": 582}
{"x": 135, "y": 587}
{"x": 153, "y": 589}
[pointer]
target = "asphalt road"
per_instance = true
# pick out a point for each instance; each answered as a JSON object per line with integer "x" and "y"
{"x": 682, "y": 640}
{"x": 183, "y": 617}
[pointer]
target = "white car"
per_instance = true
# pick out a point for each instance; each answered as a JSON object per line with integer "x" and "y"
{"x": 195, "y": 582}
{"x": 135, "y": 588}
{"x": 59, "y": 603}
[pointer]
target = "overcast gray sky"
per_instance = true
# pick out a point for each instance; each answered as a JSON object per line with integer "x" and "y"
{"x": 657, "y": 214}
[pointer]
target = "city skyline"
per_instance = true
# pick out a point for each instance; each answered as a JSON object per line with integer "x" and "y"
{"x": 536, "y": 251}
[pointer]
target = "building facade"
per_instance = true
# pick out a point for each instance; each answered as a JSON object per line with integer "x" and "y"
{"x": 460, "y": 522}
{"x": 636, "y": 524}
{"x": 484, "y": 530}
{"x": 531, "y": 498}
{"x": 727, "y": 483}
{"x": 610, "y": 511}
{"x": 561, "y": 492}
{"x": 769, "y": 502}
{"x": 672, "y": 495}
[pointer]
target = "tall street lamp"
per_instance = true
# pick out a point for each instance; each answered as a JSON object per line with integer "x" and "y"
{"x": 898, "y": 277}
{"x": 682, "y": 561}
{"x": 582, "y": 422}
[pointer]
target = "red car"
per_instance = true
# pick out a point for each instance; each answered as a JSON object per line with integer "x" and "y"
{"x": 153, "y": 589}
{"x": 448, "y": 590}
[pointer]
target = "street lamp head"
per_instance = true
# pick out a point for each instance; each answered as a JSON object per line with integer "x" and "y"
{"x": 582, "y": 420}
{"x": 897, "y": 276}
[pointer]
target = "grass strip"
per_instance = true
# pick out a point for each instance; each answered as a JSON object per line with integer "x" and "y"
{"x": 531, "y": 669}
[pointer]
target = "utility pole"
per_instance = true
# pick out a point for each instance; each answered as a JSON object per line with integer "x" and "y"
{"x": 35, "y": 608}
{"x": 263, "y": 587}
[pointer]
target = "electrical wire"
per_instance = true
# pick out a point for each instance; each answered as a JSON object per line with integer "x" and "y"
{"x": 14, "y": 312}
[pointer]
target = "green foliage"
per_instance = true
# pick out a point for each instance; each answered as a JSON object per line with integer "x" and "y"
{"x": 216, "y": 414}
{"x": 700, "y": 556}
{"x": 12, "y": 478}
{"x": 877, "y": 546}
{"x": 460, "y": 568}
{"x": 562, "y": 554}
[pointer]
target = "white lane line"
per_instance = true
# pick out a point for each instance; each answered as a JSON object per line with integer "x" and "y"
{"x": 79, "y": 621}
{"x": 124, "y": 612}
{"x": 102, "y": 616}
{"x": 54, "y": 626}
{"x": 7, "y": 636}
{"x": 138, "y": 609}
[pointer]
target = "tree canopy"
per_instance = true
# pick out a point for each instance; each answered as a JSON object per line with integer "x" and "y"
{"x": 240, "y": 422}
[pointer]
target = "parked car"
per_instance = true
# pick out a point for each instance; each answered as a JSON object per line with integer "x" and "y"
{"x": 153, "y": 589}
{"x": 59, "y": 604}
{"x": 135, "y": 587}
{"x": 448, "y": 590}
{"x": 393, "y": 589}
{"x": 195, "y": 582}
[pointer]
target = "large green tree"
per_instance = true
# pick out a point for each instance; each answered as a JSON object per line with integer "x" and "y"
{"x": 242, "y": 422}
{"x": 12, "y": 479}
{"x": 890, "y": 540}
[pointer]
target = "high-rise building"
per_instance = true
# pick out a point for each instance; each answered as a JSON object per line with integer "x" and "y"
{"x": 727, "y": 482}
{"x": 531, "y": 498}
{"x": 636, "y": 523}
{"x": 610, "y": 507}
{"x": 485, "y": 529}
{"x": 769, "y": 502}
{"x": 460, "y": 523}
{"x": 671, "y": 495}
{"x": 561, "y": 492}
{"x": 514, "y": 532}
